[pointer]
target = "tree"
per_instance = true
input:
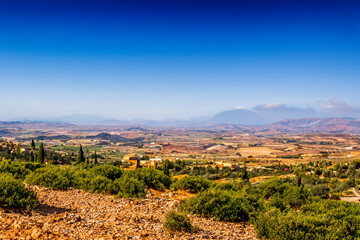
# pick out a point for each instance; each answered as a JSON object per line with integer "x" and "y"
{"x": 95, "y": 158}
{"x": 18, "y": 150}
{"x": 165, "y": 167}
{"x": 80, "y": 157}
{"x": 32, "y": 157}
{"x": 244, "y": 174}
{"x": 41, "y": 154}
{"x": 87, "y": 161}
{"x": 299, "y": 181}
{"x": 33, "y": 145}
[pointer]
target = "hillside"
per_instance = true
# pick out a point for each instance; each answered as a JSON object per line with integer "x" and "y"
{"x": 75, "y": 214}
{"x": 330, "y": 125}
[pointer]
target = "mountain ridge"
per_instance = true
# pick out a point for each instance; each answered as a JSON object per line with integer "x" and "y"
{"x": 326, "y": 125}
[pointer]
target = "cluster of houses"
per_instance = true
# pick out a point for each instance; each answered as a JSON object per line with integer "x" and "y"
{"x": 148, "y": 160}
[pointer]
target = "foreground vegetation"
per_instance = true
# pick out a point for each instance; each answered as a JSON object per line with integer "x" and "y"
{"x": 298, "y": 207}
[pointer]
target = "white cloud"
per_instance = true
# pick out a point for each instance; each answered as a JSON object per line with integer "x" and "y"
{"x": 338, "y": 106}
{"x": 270, "y": 106}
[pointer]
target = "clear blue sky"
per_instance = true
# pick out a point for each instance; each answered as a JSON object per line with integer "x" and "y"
{"x": 175, "y": 59}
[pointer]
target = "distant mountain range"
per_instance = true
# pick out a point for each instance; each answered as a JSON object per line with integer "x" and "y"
{"x": 331, "y": 125}
{"x": 304, "y": 125}
{"x": 261, "y": 118}
{"x": 256, "y": 116}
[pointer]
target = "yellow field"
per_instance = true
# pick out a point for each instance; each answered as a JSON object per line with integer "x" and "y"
{"x": 257, "y": 151}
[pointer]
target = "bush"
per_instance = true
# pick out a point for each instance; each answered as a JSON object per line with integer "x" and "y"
{"x": 129, "y": 187}
{"x": 52, "y": 177}
{"x": 177, "y": 222}
{"x": 220, "y": 205}
{"x": 321, "y": 219}
{"x": 335, "y": 196}
{"x": 231, "y": 186}
{"x": 192, "y": 184}
{"x": 289, "y": 225}
{"x": 18, "y": 171}
{"x": 14, "y": 194}
{"x": 94, "y": 184}
{"x": 343, "y": 186}
{"x": 32, "y": 166}
{"x": 151, "y": 177}
{"x": 320, "y": 190}
{"x": 281, "y": 194}
{"x": 109, "y": 171}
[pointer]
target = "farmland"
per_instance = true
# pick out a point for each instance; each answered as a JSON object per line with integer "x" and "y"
{"x": 166, "y": 178}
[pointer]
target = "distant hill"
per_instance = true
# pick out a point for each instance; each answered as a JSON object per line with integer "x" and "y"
{"x": 34, "y": 124}
{"x": 237, "y": 116}
{"x": 261, "y": 115}
{"x": 4, "y": 132}
{"x": 245, "y": 121}
{"x": 114, "y": 138}
{"x": 331, "y": 125}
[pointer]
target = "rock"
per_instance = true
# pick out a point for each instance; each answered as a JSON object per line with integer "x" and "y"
{"x": 36, "y": 233}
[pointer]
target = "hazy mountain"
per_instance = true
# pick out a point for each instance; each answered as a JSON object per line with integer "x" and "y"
{"x": 79, "y": 119}
{"x": 237, "y": 116}
{"x": 332, "y": 125}
{"x": 263, "y": 114}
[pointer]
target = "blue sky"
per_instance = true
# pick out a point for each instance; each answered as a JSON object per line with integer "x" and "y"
{"x": 176, "y": 59}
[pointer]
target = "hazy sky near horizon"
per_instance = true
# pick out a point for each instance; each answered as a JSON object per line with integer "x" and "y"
{"x": 176, "y": 59}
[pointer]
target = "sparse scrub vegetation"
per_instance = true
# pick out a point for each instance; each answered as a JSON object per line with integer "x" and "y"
{"x": 220, "y": 205}
{"x": 13, "y": 193}
{"x": 129, "y": 187}
{"x": 151, "y": 177}
{"x": 177, "y": 222}
{"x": 99, "y": 179}
{"x": 17, "y": 170}
{"x": 303, "y": 205}
{"x": 192, "y": 184}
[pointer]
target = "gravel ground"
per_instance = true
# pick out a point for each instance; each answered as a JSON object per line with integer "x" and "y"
{"x": 76, "y": 214}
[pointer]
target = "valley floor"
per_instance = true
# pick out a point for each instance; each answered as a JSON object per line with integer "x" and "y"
{"x": 76, "y": 214}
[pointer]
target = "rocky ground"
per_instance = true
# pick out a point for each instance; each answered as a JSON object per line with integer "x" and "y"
{"x": 76, "y": 214}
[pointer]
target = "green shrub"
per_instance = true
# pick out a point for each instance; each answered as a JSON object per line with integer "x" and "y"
{"x": 177, "y": 222}
{"x": 288, "y": 225}
{"x": 220, "y": 205}
{"x": 193, "y": 184}
{"x": 109, "y": 171}
{"x": 231, "y": 186}
{"x": 320, "y": 190}
{"x": 152, "y": 178}
{"x": 343, "y": 186}
{"x": 94, "y": 184}
{"x": 52, "y": 177}
{"x": 335, "y": 196}
{"x": 282, "y": 194}
{"x": 129, "y": 187}
{"x": 32, "y": 166}
{"x": 321, "y": 219}
{"x": 16, "y": 169}
{"x": 14, "y": 194}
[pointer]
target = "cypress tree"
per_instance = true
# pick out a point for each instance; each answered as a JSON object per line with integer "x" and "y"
{"x": 245, "y": 175}
{"x": 95, "y": 158}
{"x": 137, "y": 163}
{"x": 18, "y": 150}
{"x": 299, "y": 181}
{"x": 32, "y": 145}
{"x": 32, "y": 157}
{"x": 165, "y": 167}
{"x": 41, "y": 154}
{"x": 80, "y": 157}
